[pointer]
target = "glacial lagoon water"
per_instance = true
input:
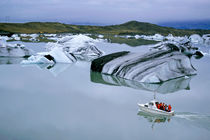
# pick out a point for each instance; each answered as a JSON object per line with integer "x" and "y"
{"x": 68, "y": 101}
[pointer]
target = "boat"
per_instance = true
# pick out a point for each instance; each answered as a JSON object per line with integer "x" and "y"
{"x": 151, "y": 108}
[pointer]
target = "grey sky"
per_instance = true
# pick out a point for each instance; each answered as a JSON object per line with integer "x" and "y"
{"x": 103, "y": 11}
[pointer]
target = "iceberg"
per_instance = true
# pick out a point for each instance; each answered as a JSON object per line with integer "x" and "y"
{"x": 15, "y": 37}
{"x": 13, "y": 50}
{"x": 156, "y": 37}
{"x": 206, "y": 39}
{"x": 56, "y": 55}
{"x": 197, "y": 39}
{"x": 152, "y": 67}
{"x": 34, "y": 37}
{"x": 77, "y": 45}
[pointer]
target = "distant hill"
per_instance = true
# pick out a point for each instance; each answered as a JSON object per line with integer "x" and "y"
{"x": 131, "y": 27}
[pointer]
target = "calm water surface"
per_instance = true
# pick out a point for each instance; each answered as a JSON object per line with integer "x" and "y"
{"x": 38, "y": 102}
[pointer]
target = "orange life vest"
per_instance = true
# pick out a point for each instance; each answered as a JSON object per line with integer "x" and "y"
{"x": 169, "y": 108}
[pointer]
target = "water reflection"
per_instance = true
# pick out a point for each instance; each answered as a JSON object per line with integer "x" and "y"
{"x": 193, "y": 119}
{"x": 10, "y": 60}
{"x": 54, "y": 69}
{"x": 170, "y": 86}
{"x": 154, "y": 118}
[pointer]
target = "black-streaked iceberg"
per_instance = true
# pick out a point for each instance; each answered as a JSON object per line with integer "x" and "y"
{"x": 152, "y": 67}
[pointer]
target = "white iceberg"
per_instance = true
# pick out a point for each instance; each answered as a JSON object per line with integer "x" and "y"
{"x": 50, "y": 35}
{"x": 156, "y": 37}
{"x": 101, "y": 36}
{"x": 13, "y": 50}
{"x": 195, "y": 38}
{"x": 77, "y": 45}
{"x": 16, "y": 37}
{"x": 34, "y": 37}
{"x": 3, "y": 40}
{"x": 24, "y": 35}
{"x": 56, "y": 55}
{"x": 206, "y": 39}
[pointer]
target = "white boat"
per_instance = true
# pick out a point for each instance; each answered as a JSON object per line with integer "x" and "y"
{"x": 151, "y": 108}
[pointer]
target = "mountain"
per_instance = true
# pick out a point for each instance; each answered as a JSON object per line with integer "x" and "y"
{"x": 131, "y": 27}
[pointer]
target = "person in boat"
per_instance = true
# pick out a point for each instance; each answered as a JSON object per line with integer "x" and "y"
{"x": 157, "y": 104}
{"x": 161, "y": 105}
{"x": 164, "y": 106}
{"x": 169, "y": 108}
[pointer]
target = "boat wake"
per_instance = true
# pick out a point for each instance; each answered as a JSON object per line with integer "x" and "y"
{"x": 186, "y": 118}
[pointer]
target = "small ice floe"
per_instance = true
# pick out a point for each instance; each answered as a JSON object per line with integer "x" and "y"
{"x": 50, "y": 35}
{"x": 206, "y": 39}
{"x": 77, "y": 45}
{"x": 56, "y": 55}
{"x": 15, "y": 37}
{"x": 24, "y": 35}
{"x": 197, "y": 39}
{"x": 34, "y": 37}
{"x": 3, "y": 39}
{"x": 170, "y": 37}
{"x": 100, "y": 36}
{"x": 13, "y": 50}
{"x": 156, "y": 37}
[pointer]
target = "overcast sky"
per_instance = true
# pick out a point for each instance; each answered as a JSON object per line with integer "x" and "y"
{"x": 103, "y": 11}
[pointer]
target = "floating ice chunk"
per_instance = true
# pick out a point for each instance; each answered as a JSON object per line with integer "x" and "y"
{"x": 34, "y": 37}
{"x": 24, "y": 35}
{"x": 13, "y": 50}
{"x": 195, "y": 38}
{"x": 137, "y": 36}
{"x": 206, "y": 39}
{"x": 156, "y": 37}
{"x": 61, "y": 56}
{"x": 170, "y": 37}
{"x": 15, "y": 37}
{"x": 39, "y": 59}
{"x": 77, "y": 44}
{"x": 3, "y": 41}
{"x": 50, "y": 35}
{"x": 65, "y": 39}
{"x": 56, "y": 55}
{"x": 152, "y": 67}
{"x": 100, "y": 36}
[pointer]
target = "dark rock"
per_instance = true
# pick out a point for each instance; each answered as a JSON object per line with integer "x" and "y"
{"x": 198, "y": 54}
